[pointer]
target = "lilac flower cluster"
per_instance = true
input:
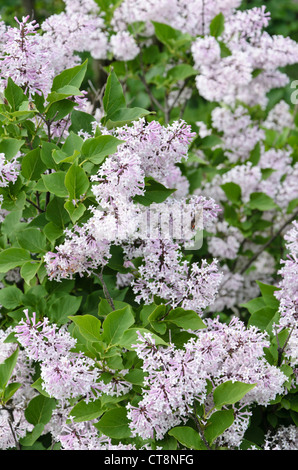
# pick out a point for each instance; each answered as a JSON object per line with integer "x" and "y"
{"x": 150, "y": 150}
{"x": 24, "y": 59}
{"x": 192, "y": 17}
{"x": 165, "y": 274}
{"x": 288, "y": 294}
{"x": 283, "y": 438}
{"x": 13, "y": 414}
{"x": 65, "y": 374}
{"x": 9, "y": 170}
{"x": 230, "y": 79}
{"x": 175, "y": 378}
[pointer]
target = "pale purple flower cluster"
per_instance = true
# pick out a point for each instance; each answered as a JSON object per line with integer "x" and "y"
{"x": 283, "y": 438}
{"x": 124, "y": 46}
{"x": 192, "y": 17}
{"x": 230, "y": 78}
{"x": 24, "y": 59}
{"x": 13, "y": 417}
{"x": 79, "y": 28}
{"x": 165, "y": 274}
{"x": 80, "y": 253}
{"x": 65, "y": 374}
{"x": 288, "y": 294}
{"x": 239, "y": 132}
{"x": 9, "y": 170}
{"x": 159, "y": 147}
{"x": 175, "y": 378}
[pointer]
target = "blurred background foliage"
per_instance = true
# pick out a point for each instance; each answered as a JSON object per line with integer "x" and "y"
{"x": 284, "y": 12}
{"x": 284, "y": 21}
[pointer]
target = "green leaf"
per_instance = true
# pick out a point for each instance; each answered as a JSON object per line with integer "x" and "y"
{"x": 136, "y": 377}
{"x": 254, "y": 304}
{"x": 56, "y": 212}
{"x": 81, "y": 121}
{"x": 6, "y": 369}
{"x": 76, "y": 182}
{"x": 89, "y": 326}
{"x": 10, "y": 297}
{"x": 10, "y": 390}
{"x": 40, "y": 410}
{"x": 230, "y": 392}
{"x": 52, "y": 231}
{"x": 130, "y": 337}
{"x": 12, "y": 258}
{"x": 115, "y": 424}
{"x": 264, "y": 318}
{"x": 218, "y": 423}
{"x": 46, "y": 154}
{"x": 116, "y": 323}
{"x": 113, "y": 98}
{"x": 54, "y": 182}
{"x": 38, "y": 385}
{"x": 255, "y": 154}
{"x": 210, "y": 141}
{"x": 268, "y": 296}
{"x": 62, "y": 306}
{"x": 32, "y": 165}
{"x": 188, "y": 437}
{"x": 59, "y": 109}
{"x": 75, "y": 211}
{"x": 29, "y": 270}
{"x": 232, "y": 191}
{"x": 154, "y": 192}
{"x": 261, "y": 202}
{"x": 186, "y": 319}
{"x": 83, "y": 411}
{"x": 10, "y": 147}
{"x": 217, "y": 25}
{"x": 64, "y": 92}
{"x": 154, "y": 318}
{"x": 70, "y": 77}
{"x": 124, "y": 116}
{"x": 14, "y": 95}
{"x": 181, "y": 72}
{"x": 32, "y": 239}
{"x": 72, "y": 143}
{"x": 171, "y": 37}
{"x": 96, "y": 149}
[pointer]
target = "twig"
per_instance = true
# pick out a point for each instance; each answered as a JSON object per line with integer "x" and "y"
{"x": 258, "y": 253}
{"x": 105, "y": 289}
{"x": 10, "y": 421}
{"x": 35, "y": 205}
{"x": 282, "y": 349}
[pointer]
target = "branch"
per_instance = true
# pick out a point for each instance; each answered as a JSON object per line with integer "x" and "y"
{"x": 105, "y": 289}
{"x": 268, "y": 243}
{"x": 35, "y": 205}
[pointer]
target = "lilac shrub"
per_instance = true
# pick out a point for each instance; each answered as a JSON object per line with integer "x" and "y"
{"x": 149, "y": 241}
